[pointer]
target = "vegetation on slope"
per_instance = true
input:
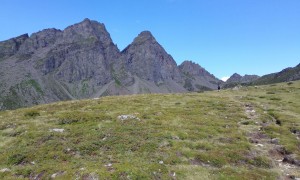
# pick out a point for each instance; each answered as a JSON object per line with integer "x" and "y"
{"x": 231, "y": 134}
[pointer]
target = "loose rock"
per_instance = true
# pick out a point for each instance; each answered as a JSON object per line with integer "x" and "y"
{"x": 275, "y": 141}
{"x": 5, "y": 170}
{"x": 128, "y": 116}
{"x": 57, "y": 130}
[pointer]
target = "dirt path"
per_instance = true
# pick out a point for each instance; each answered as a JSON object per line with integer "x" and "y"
{"x": 282, "y": 161}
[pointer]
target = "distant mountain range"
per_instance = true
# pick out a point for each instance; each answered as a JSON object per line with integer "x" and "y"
{"x": 82, "y": 61}
{"x": 286, "y": 75}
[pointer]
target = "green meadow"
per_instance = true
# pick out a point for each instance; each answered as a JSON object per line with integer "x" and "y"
{"x": 241, "y": 133}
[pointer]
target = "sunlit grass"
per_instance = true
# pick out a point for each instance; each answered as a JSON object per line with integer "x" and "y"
{"x": 184, "y": 136}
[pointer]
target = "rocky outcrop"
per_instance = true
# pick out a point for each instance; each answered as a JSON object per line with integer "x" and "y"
{"x": 10, "y": 47}
{"x": 196, "y": 78}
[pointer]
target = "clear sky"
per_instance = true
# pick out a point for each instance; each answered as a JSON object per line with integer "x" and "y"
{"x": 223, "y": 36}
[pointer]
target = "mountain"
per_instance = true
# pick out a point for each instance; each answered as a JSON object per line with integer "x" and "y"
{"x": 53, "y": 65}
{"x": 150, "y": 68}
{"x": 288, "y": 74}
{"x": 82, "y": 61}
{"x": 236, "y": 78}
{"x": 196, "y": 78}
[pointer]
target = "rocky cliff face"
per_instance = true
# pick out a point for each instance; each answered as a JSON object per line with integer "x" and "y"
{"x": 82, "y": 61}
{"x": 196, "y": 78}
{"x": 10, "y": 47}
{"x": 147, "y": 59}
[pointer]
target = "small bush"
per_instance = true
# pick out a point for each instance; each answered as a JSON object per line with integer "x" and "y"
{"x": 261, "y": 162}
{"x": 26, "y": 172}
{"x": 275, "y": 99}
{"x": 16, "y": 159}
{"x": 31, "y": 113}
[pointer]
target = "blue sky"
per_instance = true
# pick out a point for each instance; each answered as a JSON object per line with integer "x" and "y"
{"x": 223, "y": 36}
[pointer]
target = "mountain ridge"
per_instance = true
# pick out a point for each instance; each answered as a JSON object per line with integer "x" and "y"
{"x": 82, "y": 61}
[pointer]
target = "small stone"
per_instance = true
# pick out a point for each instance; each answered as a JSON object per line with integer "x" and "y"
{"x": 53, "y": 176}
{"x": 275, "y": 141}
{"x": 126, "y": 117}
{"x": 161, "y": 162}
{"x": 259, "y": 145}
{"x": 5, "y": 170}
{"x": 175, "y": 137}
{"x": 57, "y": 130}
{"x": 108, "y": 165}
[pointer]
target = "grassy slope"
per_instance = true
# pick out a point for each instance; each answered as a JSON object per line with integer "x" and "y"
{"x": 183, "y": 136}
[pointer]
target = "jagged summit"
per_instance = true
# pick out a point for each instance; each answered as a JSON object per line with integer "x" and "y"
{"x": 87, "y": 29}
{"x": 144, "y": 37}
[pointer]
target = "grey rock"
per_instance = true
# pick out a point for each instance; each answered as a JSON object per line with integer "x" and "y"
{"x": 291, "y": 159}
{"x": 10, "y": 47}
{"x": 57, "y": 130}
{"x": 127, "y": 117}
{"x": 275, "y": 141}
{"x": 196, "y": 78}
{"x": 91, "y": 176}
{"x": 147, "y": 59}
{"x": 5, "y": 170}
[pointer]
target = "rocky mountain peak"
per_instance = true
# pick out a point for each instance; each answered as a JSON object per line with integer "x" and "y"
{"x": 196, "y": 77}
{"x": 192, "y": 68}
{"x": 87, "y": 30}
{"x": 236, "y": 78}
{"x": 236, "y": 75}
{"x": 144, "y": 37}
{"x": 147, "y": 59}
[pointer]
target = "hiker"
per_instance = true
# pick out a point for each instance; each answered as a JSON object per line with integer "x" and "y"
{"x": 219, "y": 87}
